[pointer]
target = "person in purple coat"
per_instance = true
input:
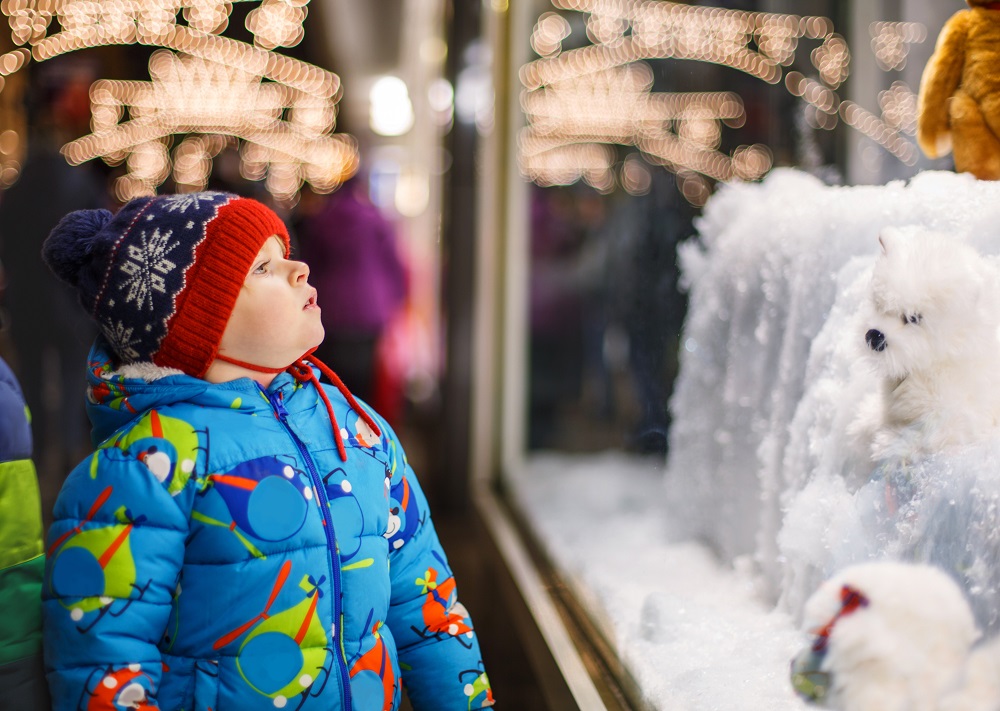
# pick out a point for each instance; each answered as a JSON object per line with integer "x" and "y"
{"x": 357, "y": 267}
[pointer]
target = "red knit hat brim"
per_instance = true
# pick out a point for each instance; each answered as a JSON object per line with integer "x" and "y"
{"x": 222, "y": 261}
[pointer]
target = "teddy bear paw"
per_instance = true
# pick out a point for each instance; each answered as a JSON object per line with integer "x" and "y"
{"x": 942, "y": 145}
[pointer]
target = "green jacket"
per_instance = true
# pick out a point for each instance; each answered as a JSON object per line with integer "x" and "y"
{"x": 22, "y": 560}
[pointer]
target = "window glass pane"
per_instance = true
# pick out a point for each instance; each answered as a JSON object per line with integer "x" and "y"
{"x": 633, "y": 115}
{"x": 605, "y": 312}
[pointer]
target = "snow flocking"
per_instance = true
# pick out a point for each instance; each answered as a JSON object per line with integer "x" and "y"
{"x": 761, "y": 465}
{"x": 761, "y": 469}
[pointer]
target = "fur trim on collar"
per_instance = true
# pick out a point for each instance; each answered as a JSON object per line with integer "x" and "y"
{"x": 147, "y": 371}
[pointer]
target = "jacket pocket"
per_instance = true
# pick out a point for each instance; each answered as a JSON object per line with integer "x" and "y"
{"x": 206, "y": 685}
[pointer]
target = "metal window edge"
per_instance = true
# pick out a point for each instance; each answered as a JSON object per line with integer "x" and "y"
{"x": 542, "y": 609}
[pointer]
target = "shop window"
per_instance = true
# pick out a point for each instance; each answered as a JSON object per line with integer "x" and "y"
{"x": 632, "y": 116}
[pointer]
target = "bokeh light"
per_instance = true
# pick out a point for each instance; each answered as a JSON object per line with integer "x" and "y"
{"x": 390, "y": 111}
{"x": 579, "y": 102}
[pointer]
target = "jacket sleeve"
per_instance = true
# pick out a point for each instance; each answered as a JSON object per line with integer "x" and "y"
{"x": 113, "y": 556}
{"x": 439, "y": 655}
{"x": 22, "y": 685}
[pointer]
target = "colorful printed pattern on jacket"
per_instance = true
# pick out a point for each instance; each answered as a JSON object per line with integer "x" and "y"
{"x": 216, "y": 553}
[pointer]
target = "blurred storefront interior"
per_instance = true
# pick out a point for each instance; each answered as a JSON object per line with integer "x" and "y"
{"x": 539, "y": 161}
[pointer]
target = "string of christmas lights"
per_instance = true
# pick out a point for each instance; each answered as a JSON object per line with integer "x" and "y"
{"x": 557, "y": 87}
{"x": 208, "y": 87}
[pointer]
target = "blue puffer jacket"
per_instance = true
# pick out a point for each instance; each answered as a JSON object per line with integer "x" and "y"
{"x": 215, "y": 553}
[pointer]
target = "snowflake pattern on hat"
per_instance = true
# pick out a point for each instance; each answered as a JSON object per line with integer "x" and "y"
{"x": 146, "y": 267}
{"x": 152, "y": 260}
{"x": 120, "y": 338}
{"x": 183, "y": 201}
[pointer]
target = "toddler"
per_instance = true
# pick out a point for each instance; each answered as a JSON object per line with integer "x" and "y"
{"x": 244, "y": 537}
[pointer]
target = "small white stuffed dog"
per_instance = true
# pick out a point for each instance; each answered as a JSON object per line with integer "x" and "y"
{"x": 889, "y": 636}
{"x": 931, "y": 336}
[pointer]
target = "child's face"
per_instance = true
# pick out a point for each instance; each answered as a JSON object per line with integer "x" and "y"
{"x": 276, "y": 318}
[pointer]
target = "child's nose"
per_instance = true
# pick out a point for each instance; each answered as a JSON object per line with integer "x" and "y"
{"x": 300, "y": 272}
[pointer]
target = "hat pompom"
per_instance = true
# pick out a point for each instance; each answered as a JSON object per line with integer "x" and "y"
{"x": 68, "y": 247}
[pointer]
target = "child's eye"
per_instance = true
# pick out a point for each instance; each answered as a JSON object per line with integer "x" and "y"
{"x": 262, "y": 268}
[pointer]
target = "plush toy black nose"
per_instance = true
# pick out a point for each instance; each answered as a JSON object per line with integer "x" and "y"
{"x": 875, "y": 340}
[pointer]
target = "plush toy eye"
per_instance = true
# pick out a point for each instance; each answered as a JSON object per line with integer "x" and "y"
{"x": 911, "y": 318}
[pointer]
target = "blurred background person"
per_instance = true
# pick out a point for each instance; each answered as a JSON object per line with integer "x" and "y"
{"x": 47, "y": 330}
{"x": 556, "y": 314}
{"x": 358, "y": 270}
{"x": 22, "y": 677}
{"x": 646, "y": 301}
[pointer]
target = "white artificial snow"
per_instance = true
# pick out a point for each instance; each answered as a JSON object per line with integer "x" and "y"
{"x": 771, "y": 374}
{"x": 698, "y": 573}
{"x": 693, "y": 634}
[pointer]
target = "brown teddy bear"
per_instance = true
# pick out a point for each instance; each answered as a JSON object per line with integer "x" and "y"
{"x": 958, "y": 106}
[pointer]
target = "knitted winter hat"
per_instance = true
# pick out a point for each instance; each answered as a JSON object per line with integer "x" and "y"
{"x": 162, "y": 275}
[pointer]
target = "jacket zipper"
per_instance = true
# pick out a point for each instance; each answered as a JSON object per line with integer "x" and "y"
{"x": 275, "y": 400}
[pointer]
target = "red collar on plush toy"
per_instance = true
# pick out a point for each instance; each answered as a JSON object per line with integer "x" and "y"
{"x": 991, "y": 6}
{"x": 810, "y": 679}
{"x": 850, "y": 600}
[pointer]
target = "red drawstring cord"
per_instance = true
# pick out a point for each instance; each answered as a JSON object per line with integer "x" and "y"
{"x": 301, "y": 371}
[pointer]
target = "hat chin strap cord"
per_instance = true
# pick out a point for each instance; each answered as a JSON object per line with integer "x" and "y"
{"x": 301, "y": 371}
